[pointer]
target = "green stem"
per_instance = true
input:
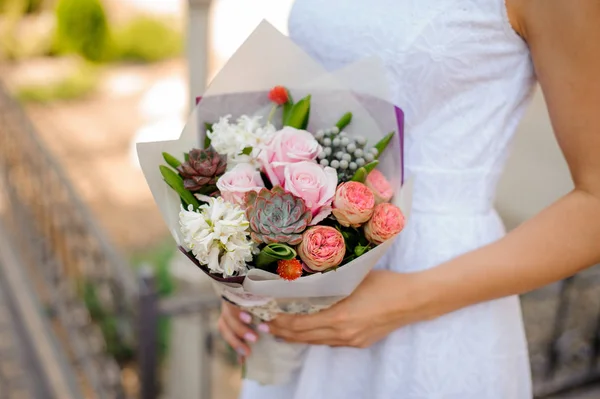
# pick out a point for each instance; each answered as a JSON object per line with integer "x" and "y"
{"x": 272, "y": 113}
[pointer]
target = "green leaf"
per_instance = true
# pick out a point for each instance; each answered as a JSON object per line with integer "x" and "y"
{"x": 272, "y": 253}
{"x": 383, "y": 143}
{"x": 360, "y": 250}
{"x": 287, "y": 107}
{"x": 299, "y": 114}
{"x": 176, "y": 183}
{"x": 208, "y": 127}
{"x": 344, "y": 121}
{"x": 171, "y": 160}
{"x": 247, "y": 151}
{"x": 360, "y": 175}
{"x": 186, "y": 156}
{"x": 370, "y": 166}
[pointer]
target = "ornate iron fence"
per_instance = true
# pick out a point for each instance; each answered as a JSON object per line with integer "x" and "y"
{"x": 74, "y": 268}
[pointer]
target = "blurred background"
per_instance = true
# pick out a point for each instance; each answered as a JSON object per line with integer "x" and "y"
{"x": 94, "y": 300}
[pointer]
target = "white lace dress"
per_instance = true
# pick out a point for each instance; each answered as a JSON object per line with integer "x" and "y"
{"x": 463, "y": 78}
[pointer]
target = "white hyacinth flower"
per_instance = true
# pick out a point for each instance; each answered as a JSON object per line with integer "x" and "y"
{"x": 232, "y": 138}
{"x": 217, "y": 234}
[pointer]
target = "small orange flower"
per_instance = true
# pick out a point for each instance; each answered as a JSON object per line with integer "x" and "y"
{"x": 279, "y": 95}
{"x": 289, "y": 269}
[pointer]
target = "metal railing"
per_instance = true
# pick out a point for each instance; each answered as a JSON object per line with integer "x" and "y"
{"x": 63, "y": 252}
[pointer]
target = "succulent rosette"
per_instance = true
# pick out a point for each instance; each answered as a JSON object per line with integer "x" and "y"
{"x": 353, "y": 204}
{"x": 380, "y": 186}
{"x": 386, "y": 222}
{"x": 289, "y": 145}
{"x": 202, "y": 168}
{"x": 235, "y": 184}
{"x": 314, "y": 184}
{"x": 322, "y": 248}
{"x": 276, "y": 216}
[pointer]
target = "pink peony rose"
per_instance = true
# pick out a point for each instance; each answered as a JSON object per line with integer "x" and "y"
{"x": 322, "y": 248}
{"x": 387, "y": 221}
{"x": 314, "y": 184}
{"x": 353, "y": 204}
{"x": 289, "y": 145}
{"x": 380, "y": 187}
{"x": 234, "y": 184}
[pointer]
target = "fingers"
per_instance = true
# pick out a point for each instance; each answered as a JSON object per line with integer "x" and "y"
{"x": 320, "y": 336}
{"x": 301, "y": 323}
{"x": 238, "y": 323}
{"x": 234, "y": 327}
{"x": 232, "y": 339}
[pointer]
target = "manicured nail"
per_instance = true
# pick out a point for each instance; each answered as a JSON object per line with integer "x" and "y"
{"x": 245, "y": 317}
{"x": 262, "y": 327}
{"x": 241, "y": 351}
{"x": 250, "y": 337}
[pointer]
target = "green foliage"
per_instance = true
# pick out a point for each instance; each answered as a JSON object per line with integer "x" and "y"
{"x": 82, "y": 27}
{"x": 25, "y": 6}
{"x": 159, "y": 258}
{"x": 272, "y": 253}
{"x": 147, "y": 39}
{"x": 82, "y": 82}
{"x": 108, "y": 323}
{"x": 299, "y": 114}
{"x": 176, "y": 183}
{"x": 344, "y": 121}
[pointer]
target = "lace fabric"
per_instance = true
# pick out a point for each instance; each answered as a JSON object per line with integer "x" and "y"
{"x": 463, "y": 78}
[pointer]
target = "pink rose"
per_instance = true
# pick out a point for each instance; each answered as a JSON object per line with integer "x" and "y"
{"x": 314, "y": 184}
{"x": 322, "y": 248}
{"x": 234, "y": 184}
{"x": 289, "y": 145}
{"x": 387, "y": 221}
{"x": 353, "y": 204}
{"x": 380, "y": 187}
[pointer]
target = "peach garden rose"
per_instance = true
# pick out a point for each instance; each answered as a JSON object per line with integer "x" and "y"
{"x": 322, "y": 248}
{"x": 380, "y": 186}
{"x": 353, "y": 204}
{"x": 387, "y": 221}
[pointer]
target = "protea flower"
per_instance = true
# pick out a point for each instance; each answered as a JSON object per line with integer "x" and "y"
{"x": 276, "y": 216}
{"x": 202, "y": 169}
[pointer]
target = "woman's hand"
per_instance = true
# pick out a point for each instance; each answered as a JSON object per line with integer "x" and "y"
{"x": 234, "y": 325}
{"x": 384, "y": 302}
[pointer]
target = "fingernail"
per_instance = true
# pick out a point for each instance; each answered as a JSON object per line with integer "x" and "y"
{"x": 241, "y": 351}
{"x": 263, "y": 328}
{"x": 245, "y": 317}
{"x": 250, "y": 337}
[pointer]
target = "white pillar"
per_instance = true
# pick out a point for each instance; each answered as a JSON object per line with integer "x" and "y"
{"x": 198, "y": 46}
{"x": 188, "y": 371}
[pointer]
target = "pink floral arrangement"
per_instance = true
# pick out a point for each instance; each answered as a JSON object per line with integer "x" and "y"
{"x": 281, "y": 198}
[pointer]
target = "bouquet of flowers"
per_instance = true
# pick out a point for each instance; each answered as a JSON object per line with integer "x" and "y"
{"x": 285, "y": 204}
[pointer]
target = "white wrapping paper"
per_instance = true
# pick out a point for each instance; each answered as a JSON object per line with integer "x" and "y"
{"x": 265, "y": 60}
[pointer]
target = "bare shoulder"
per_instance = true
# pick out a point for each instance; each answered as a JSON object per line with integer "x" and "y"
{"x": 531, "y": 18}
{"x": 564, "y": 41}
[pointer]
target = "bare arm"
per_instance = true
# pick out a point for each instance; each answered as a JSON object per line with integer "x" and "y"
{"x": 564, "y": 38}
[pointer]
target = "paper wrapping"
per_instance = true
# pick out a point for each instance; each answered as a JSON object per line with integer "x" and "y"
{"x": 267, "y": 59}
